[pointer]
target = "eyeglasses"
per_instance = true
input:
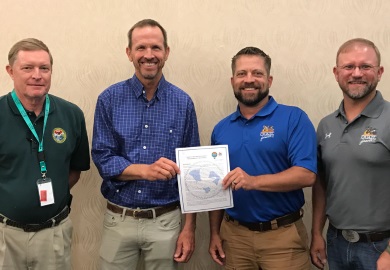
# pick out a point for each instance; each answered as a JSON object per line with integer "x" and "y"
{"x": 362, "y": 68}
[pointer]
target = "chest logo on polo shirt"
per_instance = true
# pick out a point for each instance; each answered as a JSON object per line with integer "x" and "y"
{"x": 59, "y": 135}
{"x": 267, "y": 132}
{"x": 369, "y": 136}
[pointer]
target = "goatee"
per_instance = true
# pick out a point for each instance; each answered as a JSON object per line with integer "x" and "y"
{"x": 253, "y": 100}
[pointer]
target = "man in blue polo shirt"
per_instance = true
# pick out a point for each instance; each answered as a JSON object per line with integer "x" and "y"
{"x": 138, "y": 125}
{"x": 272, "y": 151}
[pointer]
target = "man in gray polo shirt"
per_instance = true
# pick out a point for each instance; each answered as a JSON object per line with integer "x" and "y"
{"x": 352, "y": 188}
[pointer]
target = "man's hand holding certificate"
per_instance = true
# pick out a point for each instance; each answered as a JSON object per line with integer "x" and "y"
{"x": 202, "y": 170}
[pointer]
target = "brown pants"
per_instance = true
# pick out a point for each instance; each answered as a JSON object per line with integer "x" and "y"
{"x": 281, "y": 249}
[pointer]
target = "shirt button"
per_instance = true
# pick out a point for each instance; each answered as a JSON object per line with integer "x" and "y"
{"x": 146, "y": 126}
{"x": 139, "y": 191}
{"x": 117, "y": 190}
{"x": 346, "y": 131}
{"x": 170, "y": 131}
{"x": 144, "y": 147}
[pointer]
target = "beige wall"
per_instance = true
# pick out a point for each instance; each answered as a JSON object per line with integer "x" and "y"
{"x": 88, "y": 39}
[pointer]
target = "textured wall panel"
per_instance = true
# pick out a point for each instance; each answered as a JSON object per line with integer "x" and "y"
{"x": 88, "y": 40}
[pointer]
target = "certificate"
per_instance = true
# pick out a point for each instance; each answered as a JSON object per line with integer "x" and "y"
{"x": 202, "y": 170}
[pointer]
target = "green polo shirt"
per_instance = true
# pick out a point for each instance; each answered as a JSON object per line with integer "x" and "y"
{"x": 354, "y": 160}
{"x": 65, "y": 145}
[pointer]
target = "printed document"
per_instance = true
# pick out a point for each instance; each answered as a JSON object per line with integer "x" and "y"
{"x": 202, "y": 170}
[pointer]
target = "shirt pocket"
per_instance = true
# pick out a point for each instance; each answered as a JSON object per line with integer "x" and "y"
{"x": 170, "y": 140}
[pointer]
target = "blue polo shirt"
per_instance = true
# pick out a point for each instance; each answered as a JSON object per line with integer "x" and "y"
{"x": 276, "y": 138}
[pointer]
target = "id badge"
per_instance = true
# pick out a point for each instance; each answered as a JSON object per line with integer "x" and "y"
{"x": 45, "y": 191}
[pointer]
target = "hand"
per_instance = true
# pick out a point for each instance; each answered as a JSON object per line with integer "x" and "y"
{"x": 162, "y": 169}
{"x": 383, "y": 262}
{"x": 238, "y": 179}
{"x": 317, "y": 251}
{"x": 185, "y": 246}
{"x": 216, "y": 251}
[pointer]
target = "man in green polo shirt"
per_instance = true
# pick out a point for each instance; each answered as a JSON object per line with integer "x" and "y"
{"x": 43, "y": 149}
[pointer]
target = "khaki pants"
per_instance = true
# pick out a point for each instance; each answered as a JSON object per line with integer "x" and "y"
{"x": 48, "y": 249}
{"x": 124, "y": 238}
{"x": 281, "y": 249}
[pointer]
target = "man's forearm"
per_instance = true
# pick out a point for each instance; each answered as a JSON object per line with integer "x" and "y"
{"x": 74, "y": 177}
{"x": 319, "y": 204}
{"x": 215, "y": 219}
{"x": 190, "y": 222}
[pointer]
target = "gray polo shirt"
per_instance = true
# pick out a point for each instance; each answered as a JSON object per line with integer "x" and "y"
{"x": 354, "y": 161}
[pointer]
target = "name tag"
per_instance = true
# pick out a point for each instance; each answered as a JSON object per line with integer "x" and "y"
{"x": 45, "y": 191}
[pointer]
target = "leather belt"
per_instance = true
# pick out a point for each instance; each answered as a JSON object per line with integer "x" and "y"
{"x": 362, "y": 237}
{"x": 143, "y": 213}
{"x": 55, "y": 221}
{"x": 268, "y": 225}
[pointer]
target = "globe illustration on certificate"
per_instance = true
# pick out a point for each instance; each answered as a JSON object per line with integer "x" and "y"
{"x": 204, "y": 180}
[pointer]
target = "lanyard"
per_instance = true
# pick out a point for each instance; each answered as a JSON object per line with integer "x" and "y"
{"x": 41, "y": 155}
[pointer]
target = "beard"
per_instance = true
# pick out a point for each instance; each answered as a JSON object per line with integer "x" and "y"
{"x": 356, "y": 95}
{"x": 251, "y": 100}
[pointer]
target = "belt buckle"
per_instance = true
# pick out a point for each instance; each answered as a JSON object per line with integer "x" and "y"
{"x": 350, "y": 235}
{"x": 274, "y": 224}
{"x": 135, "y": 211}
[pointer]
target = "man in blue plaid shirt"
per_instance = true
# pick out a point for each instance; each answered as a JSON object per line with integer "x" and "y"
{"x": 138, "y": 124}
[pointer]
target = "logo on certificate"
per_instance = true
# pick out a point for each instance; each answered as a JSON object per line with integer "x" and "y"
{"x": 215, "y": 154}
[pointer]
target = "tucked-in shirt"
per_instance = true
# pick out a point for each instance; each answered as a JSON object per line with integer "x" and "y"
{"x": 66, "y": 148}
{"x": 354, "y": 162}
{"x": 276, "y": 138}
{"x": 129, "y": 129}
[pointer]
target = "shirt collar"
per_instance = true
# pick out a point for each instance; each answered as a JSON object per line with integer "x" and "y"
{"x": 15, "y": 110}
{"x": 372, "y": 110}
{"x": 269, "y": 107}
{"x": 138, "y": 88}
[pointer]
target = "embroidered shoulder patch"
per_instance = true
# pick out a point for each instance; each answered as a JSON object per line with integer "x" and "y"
{"x": 59, "y": 135}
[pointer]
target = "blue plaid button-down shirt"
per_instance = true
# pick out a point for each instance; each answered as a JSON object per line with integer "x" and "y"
{"x": 129, "y": 129}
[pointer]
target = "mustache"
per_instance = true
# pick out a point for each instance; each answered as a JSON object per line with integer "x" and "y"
{"x": 356, "y": 81}
{"x": 250, "y": 85}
